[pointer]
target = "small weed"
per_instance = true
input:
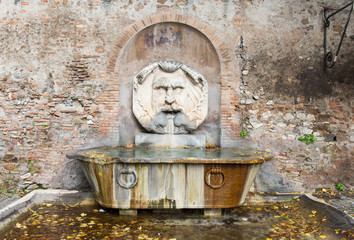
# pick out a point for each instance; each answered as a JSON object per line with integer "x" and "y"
{"x": 245, "y": 119}
{"x": 243, "y": 133}
{"x": 340, "y": 187}
{"x": 4, "y": 191}
{"x": 31, "y": 166}
{"x": 308, "y": 139}
{"x": 285, "y": 217}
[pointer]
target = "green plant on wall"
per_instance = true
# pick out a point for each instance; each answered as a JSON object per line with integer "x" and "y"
{"x": 340, "y": 187}
{"x": 308, "y": 139}
{"x": 243, "y": 133}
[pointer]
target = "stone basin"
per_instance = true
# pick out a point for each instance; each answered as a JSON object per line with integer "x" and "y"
{"x": 150, "y": 178}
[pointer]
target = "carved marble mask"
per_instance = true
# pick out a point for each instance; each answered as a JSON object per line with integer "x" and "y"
{"x": 170, "y": 98}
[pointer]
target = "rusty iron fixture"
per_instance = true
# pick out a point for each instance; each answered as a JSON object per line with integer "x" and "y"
{"x": 329, "y": 59}
{"x": 141, "y": 178}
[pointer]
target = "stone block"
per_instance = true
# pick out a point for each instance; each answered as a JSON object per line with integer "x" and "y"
{"x": 128, "y": 212}
{"x": 9, "y": 158}
{"x": 213, "y": 212}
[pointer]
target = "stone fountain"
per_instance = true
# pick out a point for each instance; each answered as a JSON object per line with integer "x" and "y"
{"x": 169, "y": 166}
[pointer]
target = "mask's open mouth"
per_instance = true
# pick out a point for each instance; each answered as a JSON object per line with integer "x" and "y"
{"x": 173, "y": 112}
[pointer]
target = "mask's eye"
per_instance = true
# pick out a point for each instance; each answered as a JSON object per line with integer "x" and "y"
{"x": 162, "y": 89}
{"x": 178, "y": 89}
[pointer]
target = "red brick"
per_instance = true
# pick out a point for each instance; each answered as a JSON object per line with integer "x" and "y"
{"x": 9, "y": 166}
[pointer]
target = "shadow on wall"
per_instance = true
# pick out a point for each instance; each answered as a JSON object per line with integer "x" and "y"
{"x": 300, "y": 77}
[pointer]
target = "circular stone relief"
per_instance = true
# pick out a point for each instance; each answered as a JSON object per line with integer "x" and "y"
{"x": 170, "y": 98}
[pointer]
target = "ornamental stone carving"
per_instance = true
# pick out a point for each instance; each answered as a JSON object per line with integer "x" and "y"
{"x": 170, "y": 98}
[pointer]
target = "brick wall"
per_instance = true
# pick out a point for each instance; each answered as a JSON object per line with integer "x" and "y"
{"x": 60, "y": 84}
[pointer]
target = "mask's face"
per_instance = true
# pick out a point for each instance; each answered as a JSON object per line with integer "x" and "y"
{"x": 170, "y": 97}
{"x": 168, "y": 92}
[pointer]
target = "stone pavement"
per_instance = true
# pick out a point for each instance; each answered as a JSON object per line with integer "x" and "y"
{"x": 342, "y": 200}
{"x": 7, "y": 198}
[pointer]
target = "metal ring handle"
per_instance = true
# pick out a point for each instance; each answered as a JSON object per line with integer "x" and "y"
{"x": 330, "y": 60}
{"x": 128, "y": 182}
{"x": 215, "y": 171}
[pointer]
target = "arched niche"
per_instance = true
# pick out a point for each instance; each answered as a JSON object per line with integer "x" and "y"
{"x": 168, "y": 41}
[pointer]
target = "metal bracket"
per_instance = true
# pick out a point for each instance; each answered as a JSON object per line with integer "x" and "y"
{"x": 329, "y": 59}
{"x": 215, "y": 171}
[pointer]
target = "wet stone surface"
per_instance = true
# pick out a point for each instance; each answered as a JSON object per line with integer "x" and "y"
{"x": 276, "y": 221}
{"x": 7, "y": 198}
{"x": 167, "y": 155}
{"x": 342, "y": 200}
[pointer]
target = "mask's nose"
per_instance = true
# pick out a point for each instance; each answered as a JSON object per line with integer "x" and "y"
{"x": 169, "y": 96}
